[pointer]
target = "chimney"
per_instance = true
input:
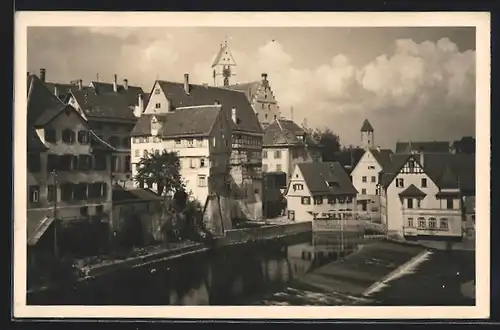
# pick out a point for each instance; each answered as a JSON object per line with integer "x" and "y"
{"x": 115, "y": 83}
{"x": 421, "y": 158}
{"x": 186, "y": 83}
{"x": 378, "y": 148}
{"x": 140, "y": 106}
{"x": 233, "y": 114}
{"x": 42, "y": 75}
{"x": 125, "y": 84}
{"x": 56, "y": 90}
{"x": 216, "y": 102}
{"x": 264, "y": 76}
{"x": 80, "y": 84}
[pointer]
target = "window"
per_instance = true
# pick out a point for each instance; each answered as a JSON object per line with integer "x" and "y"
{"x": 80, "y": 191}
{"x": 277, "y": 154}
{"x": 432, "y": 223}
{"x": 100, "y": 163}
{"x": 449, "y": 203}
{"x": 84, "y": 162}
{"x": 84, "y": 210}
{"x": 202, "y": 180}
{"x": 421, "y": 222}
{"x": 306, "y": 200}
{"x": 157, "y": 105}
{"x": 68, "y": 136}
{"x": 332, "y": 200}
{"x": 99, "y": 209}
{"x": 83, "y": 137}
{"x": 34, "y": 192}
{"x": 66, "y": 192}
{"x": 363, "y": 191}
{"x": 374, "y": 179}
{"x": 400, "y": 183}
{"x": 190, "y": 143}
{"x": 419, "y": 203}
{"x": 157, "y": 91}
{"x": 298, "y": 186}
{"x": 410, "y": 223}
{"x": 202, "y": 162}
{"x": 318, "y": 200}
{"x": 34, "y": 163}
{"x": 50, "y": 135}
{"x": 371, "y": 167}
{"x": 264, "y": 154}
{"x": 127, "y": 164}
{"x": 411, "y": 164}
{"x": 95, "y": 190}
{"x": 363, "y": 179}
{"x": 114, "y": 163}
{"x": 68, "y": 162}
{"x": 278, "y": 167}
{"x": 199, "y": 143}
{"x": 51, "y": 193}
{"x": 409, "y": 203}
{"x": 443, "y": 223}
{"x": 423, "y": 183}
{"x": 114, "y": 141}
{"x": 262, "y": 104}
{"x": 52, "y": 162}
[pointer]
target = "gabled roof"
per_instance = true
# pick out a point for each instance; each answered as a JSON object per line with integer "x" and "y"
{"x": 200, "y": 95}
{"x": 43, "y": 105}
{"x": 383, "y": 157}
{"x": 250, "y": 88}
{"x": 130, "y": 95}
{"x": 412, "y": 191}
{"x": 317, "y": 176}
{"x": 444, "y": 169}
{"x": 62, "y": 89}
{"x": 223, "y": 56}
{"x": 285, "y": 132}
{"x": 196, "y": 121}
{"x": 103, "y": 104}
{"x": 422, "y": 146}
{"x": 121, "y": 194}
{"x": 367, "y": 127}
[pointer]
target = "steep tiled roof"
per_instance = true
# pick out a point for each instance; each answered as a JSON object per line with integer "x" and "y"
{"x": 250, "y": 88}
{"x": 318, "y": 175}
{"x": 367, "y": 127}
{"x": 36, "y": 225}
{"x": 224, "y": 49}
{"x": 285, "y": 132}
{"x": 103, "y": 104}
{"x": 205, "y": 95}
{"x": 121, "y": 194}
{"x": 412, "y": 191}
{"x": 62, "y": 89}
{"x": 42, "y": 103}
{"x": 196, "y": 121}
{"x": 130, "y": 95}
{"x": 445, "y": 169}
{"x": 383, "y": 157}
{"x": 423, "y": 146}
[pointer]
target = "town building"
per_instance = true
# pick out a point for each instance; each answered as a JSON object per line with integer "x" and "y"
{"x": 111, "y": 110}
{"x": 320, "y": 192}
{"x": 286, "y": 144}
{"x": 245, "y": 134}
{"x": 466, "y": 145}
{"x": 200, "y": 135}
{"x": 424, "y": 194}
{"x": 365, "y": 177}
{"x": 223, "y": 67}
{"x": 68, "y": 176}
{"x": 262, "y": 99}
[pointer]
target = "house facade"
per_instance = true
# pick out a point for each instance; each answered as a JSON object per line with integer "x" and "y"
{"x": 423, "y": 195}
{"x": 322, "y": 193}
{"x": 262, "y": 99}
{"x": 69, "y": 176}
{"x": 365, "y": 176}
{"x": 245, "y": 133}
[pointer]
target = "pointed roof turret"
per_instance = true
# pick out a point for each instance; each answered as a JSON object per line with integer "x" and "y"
{"x": 367, "y": 127}
{"x": 224, "y": 56}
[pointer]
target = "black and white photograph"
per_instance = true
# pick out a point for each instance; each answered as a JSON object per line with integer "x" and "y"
{"x": 290, "y": 160}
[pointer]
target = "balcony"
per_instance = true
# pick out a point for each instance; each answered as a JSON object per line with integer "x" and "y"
{"x": 431, "y": 212}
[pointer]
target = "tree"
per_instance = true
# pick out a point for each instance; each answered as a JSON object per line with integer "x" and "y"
{"x": 160, "y": 169}
{"x": 328, "y": 141}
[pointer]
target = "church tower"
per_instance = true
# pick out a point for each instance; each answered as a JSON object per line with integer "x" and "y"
{"x": 223, "y": 67}
{"x": 367, "y": 135}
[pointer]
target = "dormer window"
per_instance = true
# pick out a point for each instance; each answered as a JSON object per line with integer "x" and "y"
{"x": 332, "y": 184}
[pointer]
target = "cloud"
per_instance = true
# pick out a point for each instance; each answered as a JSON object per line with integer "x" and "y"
{"x": 420, "y": 91}
{"x": 417, "y": 90}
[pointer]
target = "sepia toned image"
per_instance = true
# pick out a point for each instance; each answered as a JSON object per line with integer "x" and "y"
{"x": 295, "y": 165}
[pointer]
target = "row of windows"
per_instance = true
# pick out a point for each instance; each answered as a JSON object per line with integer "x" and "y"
{"x": 68, "y": 162}
{"x": 400, "y": 183}
{"x": 276, "y": 153}
{"x": 330, "y": 200}
{"x": 67, "y": 136}
{"x": 373, "y": 179}
{"x": 278, "y": 168}
{"x": 410, "y": 203}
{"x": 266, "y": 116}
{"x": 431, "y": 223}
{"x": 70, "y": 192}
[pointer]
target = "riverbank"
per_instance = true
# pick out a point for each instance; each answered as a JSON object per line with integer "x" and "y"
{"x": 383, "y": 273}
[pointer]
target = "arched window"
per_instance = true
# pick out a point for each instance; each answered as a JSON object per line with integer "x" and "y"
{"x": 114, "y": 141}
{"x": 422, "y": 223}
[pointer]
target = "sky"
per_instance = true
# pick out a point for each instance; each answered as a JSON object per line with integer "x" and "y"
{"x": 410, "y": 83}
